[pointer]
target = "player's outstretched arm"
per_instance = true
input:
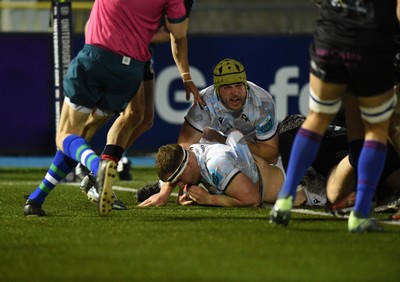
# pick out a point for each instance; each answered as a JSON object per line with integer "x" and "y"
{"x": 159, "y": 199}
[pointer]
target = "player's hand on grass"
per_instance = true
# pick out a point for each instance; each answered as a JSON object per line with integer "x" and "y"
{"x": 157, "y": 200}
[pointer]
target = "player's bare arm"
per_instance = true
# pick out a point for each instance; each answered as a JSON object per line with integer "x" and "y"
{"x": 179, "y": 51}
{"x": 241, "y": 192}
{"x": 188, "y": 135}
{"x": 159, "y": 199}
{"x": 267, "y": 150}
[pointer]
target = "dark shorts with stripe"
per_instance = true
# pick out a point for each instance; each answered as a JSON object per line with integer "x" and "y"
{"x": 98, "y": 78}
{"x": 367, "y": 71}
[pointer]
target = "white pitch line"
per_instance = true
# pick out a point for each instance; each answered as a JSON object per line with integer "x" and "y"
{"x": 296, "y": 210}
{"x": 127, "y": 189}
{"x": 133, "y": 190}
{"x": 305, "y": 211}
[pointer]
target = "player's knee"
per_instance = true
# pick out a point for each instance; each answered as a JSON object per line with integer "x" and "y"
{"x": 130, "y": 118}
{"x": 394, "y": 131}
{"x": 59, "y": 142}
{"x": 60, "y": 137}
{"x": 379, "y": 113}
{"x": 128, "y": 114}
{"x": 147, "y": 124}
{"x": 319, "y": 105}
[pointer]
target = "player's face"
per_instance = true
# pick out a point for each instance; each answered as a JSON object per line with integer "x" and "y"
{"x": 189, "y": 176}
{"x": 233, "y": 96}
{"x": 186, "y": 178}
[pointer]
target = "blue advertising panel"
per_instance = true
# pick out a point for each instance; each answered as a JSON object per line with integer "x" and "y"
{"x": 26, "y": 117}
{"x": 277, "y": 63}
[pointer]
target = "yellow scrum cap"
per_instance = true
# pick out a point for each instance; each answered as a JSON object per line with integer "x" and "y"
{"x": 228, "y": 71}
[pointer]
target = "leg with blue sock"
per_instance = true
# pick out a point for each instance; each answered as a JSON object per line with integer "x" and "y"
{"x": 61, "y": 166}
{"x": 115, "y": 153}
{"x": 370, "y": 166}
{"x": 110, "y": 152}
{"x": 103, "y": 169}
{"x": 304, "y": 151}
{"x": 78, "y": 148}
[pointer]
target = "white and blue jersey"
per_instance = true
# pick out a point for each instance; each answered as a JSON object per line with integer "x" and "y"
{"x": 220, "y": 163}
{"x": 257, "y": 120}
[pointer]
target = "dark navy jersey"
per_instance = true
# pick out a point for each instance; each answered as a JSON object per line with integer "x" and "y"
{"x": 357, "y": 22}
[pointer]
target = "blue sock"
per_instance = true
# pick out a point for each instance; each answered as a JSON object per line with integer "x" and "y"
{"x": 370, "y": 166}
{"x": 61, "y": 166}
{"x": 78, "y": 148}
{"x": 304, "y": 150}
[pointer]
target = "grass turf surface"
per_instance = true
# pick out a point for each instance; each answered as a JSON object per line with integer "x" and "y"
{"x": 174, "y": 243}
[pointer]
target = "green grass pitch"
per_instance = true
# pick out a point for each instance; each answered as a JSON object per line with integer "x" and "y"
{"x": 175, "y": 243}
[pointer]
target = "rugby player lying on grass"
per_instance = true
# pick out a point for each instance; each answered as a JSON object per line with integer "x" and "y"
{"x": 231, "y": 102}
{"x": 255, "y": 186}
{"x": 231, "y": 175}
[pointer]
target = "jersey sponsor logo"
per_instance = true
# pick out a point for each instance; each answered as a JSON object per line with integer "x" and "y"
{"x": 245, "y": 118}
{"x": 216, "y": 178}
{"x": 266, "y": 125}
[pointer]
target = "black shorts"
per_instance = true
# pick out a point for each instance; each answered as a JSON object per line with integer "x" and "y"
{"x": 367, "y": 71}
